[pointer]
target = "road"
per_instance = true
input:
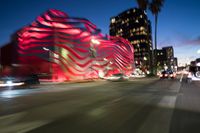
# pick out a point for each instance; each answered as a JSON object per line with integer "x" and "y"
{"x": 136, "y": 106}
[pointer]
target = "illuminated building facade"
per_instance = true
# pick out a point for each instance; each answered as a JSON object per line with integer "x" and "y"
{"x": 161, "y": 58}
{"x": 133, "y": 25}
{"x": 165, "y": 58}
{"x": 175, "y": 61}
{"x": 59, "y": 47}
{"x": 169, "y": 56}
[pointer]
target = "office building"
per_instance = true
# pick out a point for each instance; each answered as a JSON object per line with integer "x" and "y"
{"x": 133, "y": 25}
{"x": 166, "y": 59}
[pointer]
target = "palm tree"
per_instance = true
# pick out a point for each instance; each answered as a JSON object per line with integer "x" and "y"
{"x": 155, "y": 7}
{"x": 143, "y": 4}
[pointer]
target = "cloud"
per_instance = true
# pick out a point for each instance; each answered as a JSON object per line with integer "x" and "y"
{"x": 195, "y": 41}
{"x": 198, "y": 51}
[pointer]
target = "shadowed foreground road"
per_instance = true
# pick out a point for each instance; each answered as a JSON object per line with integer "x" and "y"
{"x": 142, "y": 106}
{"x": 186, "y": 117}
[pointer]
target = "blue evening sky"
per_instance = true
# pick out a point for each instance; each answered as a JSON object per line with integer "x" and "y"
{"x": 178, "y": 22}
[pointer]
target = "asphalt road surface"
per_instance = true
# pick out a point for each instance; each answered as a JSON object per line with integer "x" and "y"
{"x": 137, "y": 106}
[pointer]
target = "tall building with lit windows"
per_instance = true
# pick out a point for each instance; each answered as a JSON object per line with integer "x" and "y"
{"x": 166, "y": 59}
{"x": 133, "y": 25}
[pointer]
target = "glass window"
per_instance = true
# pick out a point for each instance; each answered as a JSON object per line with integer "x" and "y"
{"x": 113, "y": 20}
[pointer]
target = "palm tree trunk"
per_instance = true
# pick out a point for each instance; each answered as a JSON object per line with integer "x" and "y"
{"x": 155, "y": 41}
{"x": 0, "y": 61}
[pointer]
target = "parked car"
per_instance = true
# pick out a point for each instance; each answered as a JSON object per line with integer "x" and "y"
{"x": 117, "y": 77}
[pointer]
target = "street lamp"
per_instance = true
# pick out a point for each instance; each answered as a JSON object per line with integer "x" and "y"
{"x": 94, "y": 41}
{"x": 105, "y": 59}
{"x": 54, "y": 54}
{"x": 46, "y": 49}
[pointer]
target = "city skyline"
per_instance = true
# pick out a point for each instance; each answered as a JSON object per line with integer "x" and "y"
{"x": 174, "y": 26}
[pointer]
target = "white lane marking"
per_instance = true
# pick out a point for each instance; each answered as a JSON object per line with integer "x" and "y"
{"x": 168, "y": 102}
{"x": 11, "y": 117}
{"x": 181, "y": 78}
{"x": 13, "y": 123}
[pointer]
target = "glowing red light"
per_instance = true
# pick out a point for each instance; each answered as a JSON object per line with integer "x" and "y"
{"x": 72, "y": 48}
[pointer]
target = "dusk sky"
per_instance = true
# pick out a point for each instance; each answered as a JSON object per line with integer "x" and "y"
{"x": 178, "y": 23}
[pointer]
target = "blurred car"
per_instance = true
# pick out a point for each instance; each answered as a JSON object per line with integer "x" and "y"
{"x": 193, "y": 76}
{"x": 167, "y": 74}
{"x": 10, "y": 81}
{"x": 136, "y": 75}
{"x": 117, "y": 77}
{"x": 164, "y": 75}
{"x": 18, "y": 81}
{"x": 172, "y": 74}
{"x": 31, "y": 79}
{"x": 194, "y": 73}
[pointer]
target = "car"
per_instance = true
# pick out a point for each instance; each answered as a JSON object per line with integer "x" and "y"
{"x": 18, "y": 81}
{"x": 194, "y": 73}
{"x": 136, "y": 75}
{"x": 193, "y": 76}
{"x": 10, "y": 81}
{"x": 171, "y": 74}
{"x": 31, "y": 79}
{"x": 164, "y": 75}
{"x": 117, "y": 77}
{"x": 167, "y": 74}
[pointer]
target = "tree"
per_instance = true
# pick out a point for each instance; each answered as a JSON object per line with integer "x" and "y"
{"x": 155, "y": 8}
{"x": 143, "y": 4}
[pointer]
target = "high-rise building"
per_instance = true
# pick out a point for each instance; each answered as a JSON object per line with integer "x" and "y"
{"x": 165, "y": 58}
{"x": 161, "y": 58}
{"x": 133, "y": 25}
{"x": 169, "y": 56}
{"x": 175, "y": 61}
